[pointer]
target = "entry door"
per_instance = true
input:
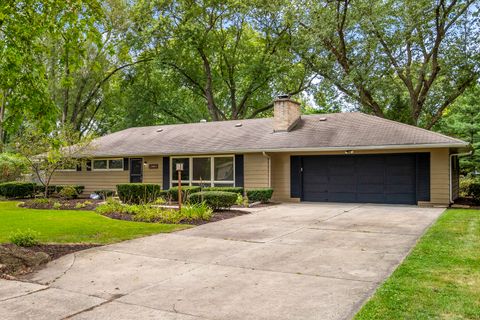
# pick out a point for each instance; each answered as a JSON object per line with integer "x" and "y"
{"x": 136, "y": 170}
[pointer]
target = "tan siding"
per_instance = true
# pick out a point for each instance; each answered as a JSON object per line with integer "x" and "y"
{"x": 153, "y": 175}
{"x": 439, "y": 177}
{"x": 255, "y": 171}
{"x": 92, "y": 180}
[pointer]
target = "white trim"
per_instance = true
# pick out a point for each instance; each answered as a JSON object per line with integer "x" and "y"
{"x": 210, "y": 182}
{"x": 108, "y": 164}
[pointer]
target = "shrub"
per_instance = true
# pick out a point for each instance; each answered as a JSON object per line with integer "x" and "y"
{"x": 474, "y": 190}
{"x": 263, "y": 195}
{"x": 80, "y": 205}
{"x": 41, "y": 201}
{"x": 68, "y": 192}
{"x": 186, "y": 191}
{"x": 57, "y": 189}
{"x": 57, "y": 205}
{"x": 17, "y": 189}
{"x": 465, "y": 183}
{"x": 196, "y": 211}
{"x": 149, "y": 214}
{"x": 104, "y": 194}
{"x": 11, "y": 167}
{"x": 138, "y": 192}
{"x": 214, "y": 199}
{"x": 27, "y": 238}
{"x": 238, "y": 190}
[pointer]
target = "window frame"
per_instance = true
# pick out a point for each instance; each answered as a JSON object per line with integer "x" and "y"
{"x": 207, "y": 183}
{"x": 108, "y": 164}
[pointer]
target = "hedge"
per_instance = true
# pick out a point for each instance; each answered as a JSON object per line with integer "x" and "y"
{"x": 18, "y": 189}
{"x": 187, "y": 190}
{"x": 238, "y": 190}
{"x": 263, "y": 195}
{"x": 138, "y": 192}
{"x": 214, "y": 199}
{"x": 474, "y": 190}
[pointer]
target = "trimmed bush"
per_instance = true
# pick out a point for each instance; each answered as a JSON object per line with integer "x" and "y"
{"x": 238, "y": 190}
{"x": 68, "y": 192}
{"x": 57, "y": 189}
{"x": 17, "y": 189}
{"x": 214, "y": 199}
{"x": 104, "y": 194}
{"x": 138, "y": 192}
{"x": 263, "y": 195}
{"x": 186, "y": 191}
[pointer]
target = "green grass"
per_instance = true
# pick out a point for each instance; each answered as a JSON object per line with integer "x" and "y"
{"x": 70, "y": 226}
{"x": 440, "y": 279}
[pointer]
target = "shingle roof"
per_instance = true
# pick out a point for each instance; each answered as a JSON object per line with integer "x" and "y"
{"x": 340, "y": 130}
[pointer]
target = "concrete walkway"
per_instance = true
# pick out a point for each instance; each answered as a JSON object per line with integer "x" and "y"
{"x": 291, "y": 261}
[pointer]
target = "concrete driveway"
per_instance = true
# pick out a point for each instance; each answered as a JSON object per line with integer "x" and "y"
{"x": 291, "y": 261}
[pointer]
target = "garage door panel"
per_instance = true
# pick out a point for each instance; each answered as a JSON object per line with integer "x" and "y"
{"x": 360, "y": 178}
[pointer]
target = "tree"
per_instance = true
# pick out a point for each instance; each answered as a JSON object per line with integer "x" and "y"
{"x": 389, "y": 56}
{"x": 462, "y": 120}
{"x": 233, "y": 56}
{"x": 45, "y": 153}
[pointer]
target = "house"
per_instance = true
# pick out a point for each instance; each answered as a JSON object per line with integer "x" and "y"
{"x": 341, "y": 157}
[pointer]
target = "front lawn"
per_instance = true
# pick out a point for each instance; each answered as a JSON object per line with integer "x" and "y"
{"x": 440, "y": 279}
{"x": 69, "y": 226}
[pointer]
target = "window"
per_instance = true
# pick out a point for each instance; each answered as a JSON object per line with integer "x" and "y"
{"x": 68, "y": 167}
{"x": 108, "y": 164}
{"x": 204, "y": 171}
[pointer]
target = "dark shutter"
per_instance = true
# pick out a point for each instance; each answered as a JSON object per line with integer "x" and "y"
{"x": 166, "y": 173}
{"x": 295, "y": 177}
{"x": 239, "y": 172}
{"x": 88, "y": 164}
{"x": 79, "y": 167}
{"x": 126, "y": 162}
{"x": 423, "y": 176}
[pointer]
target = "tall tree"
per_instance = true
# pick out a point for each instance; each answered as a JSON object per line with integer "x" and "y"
{"x": 235, "y": 56}
{"x": 388, "y": 56}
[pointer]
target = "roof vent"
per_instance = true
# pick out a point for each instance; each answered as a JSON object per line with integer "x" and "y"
{"x": 203, "y": 121}
{"x": 238, "y": 125}
{"x": 159, "y": 130}
{"x": 322, "y": 119}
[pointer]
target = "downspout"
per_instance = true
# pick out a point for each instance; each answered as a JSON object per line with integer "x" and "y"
{"x": 451, "y": 171}
{"x": 269, "y": 169}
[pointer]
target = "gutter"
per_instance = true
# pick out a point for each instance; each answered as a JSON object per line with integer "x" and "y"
{"x": 269, "y": 158}
{"x": 451, "y": 172}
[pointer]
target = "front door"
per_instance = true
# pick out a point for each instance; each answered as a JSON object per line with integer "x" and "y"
{"x": 136, "y": 170}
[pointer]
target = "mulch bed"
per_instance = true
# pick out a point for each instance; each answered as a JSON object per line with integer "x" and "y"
{"x": 467, "y": 202}
{"x": 217, "y": 216}
{"x": 16, "y": 261}
{"x": 66, "y": 204}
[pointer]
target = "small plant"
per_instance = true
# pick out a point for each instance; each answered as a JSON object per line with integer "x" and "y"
{"x": 80, "y": 205}
{"x": 57, "y": 205}
{"x": 197, "y": 211}
{"x": 240, "y": 200}
{"x": 68, "y": 192}
{"x": 149, "y": 214}
{"x": 27, "y": 238}
{"x": 262, "y": 195}
{"x": 41, "y": 201}
{"x": 88, "y": 203}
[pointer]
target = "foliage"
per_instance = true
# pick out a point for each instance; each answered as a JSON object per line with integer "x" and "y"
{"x": 27, "y": 238}
{"x": 138, "y": 192}
{"x": 11, "y": 167}
{"x": 12, "y": 190}
{"x": 80, "y": 205}
{"x": 262, "y": 194}
{"x": 238, "y": 190}
{"x": 56, "y": 205}
{"x": 470, "y": 187}
{"x": 214, "y": 199}
{"x": 186, "y": 191}
{"x": 408, "y": 60}
{"x": 105, "y": 193}
{"x": 197, "y": 211}
{"x": 73, "y": 226}
{"x": 438, "y": 279}
{"x": 462, "y": 120}
{"x": 46, "y": 153}
{"x": 68, "y": 192}
{"x": 41, "y": 201}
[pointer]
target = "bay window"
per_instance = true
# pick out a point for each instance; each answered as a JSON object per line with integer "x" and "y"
{"x": 205, "y": 171}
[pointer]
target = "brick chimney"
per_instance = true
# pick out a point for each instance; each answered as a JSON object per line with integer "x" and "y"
{"x": 286, "y": 113}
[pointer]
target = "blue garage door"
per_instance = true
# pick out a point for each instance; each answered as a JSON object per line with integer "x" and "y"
{"x": 394, "y": 178}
